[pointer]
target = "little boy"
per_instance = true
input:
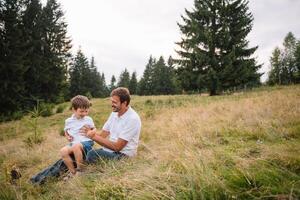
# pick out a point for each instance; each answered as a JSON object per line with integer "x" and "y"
{"x": 79, "y": 145}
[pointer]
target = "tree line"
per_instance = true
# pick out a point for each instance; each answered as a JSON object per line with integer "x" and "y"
{"x": 159, "y": 78}
{"x": 285, "y": 62}
{"x": 214, "y": 57}
{"x": 34, "y": 55}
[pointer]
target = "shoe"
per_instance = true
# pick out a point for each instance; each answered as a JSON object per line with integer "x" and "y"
{"x": 79, "y": 172}
{"x": 68, "y": 176}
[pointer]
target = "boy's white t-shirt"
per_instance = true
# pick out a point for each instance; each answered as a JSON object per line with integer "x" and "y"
{"x": 73, "y": 126}
{"x": 126, "y": 127}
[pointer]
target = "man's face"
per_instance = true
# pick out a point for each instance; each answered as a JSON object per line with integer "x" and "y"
{"x": 81, "y": 112}
{"x": 116, "y": 104}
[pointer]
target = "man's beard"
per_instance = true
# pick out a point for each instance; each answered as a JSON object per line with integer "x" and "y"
{"x": 115, "y": 109}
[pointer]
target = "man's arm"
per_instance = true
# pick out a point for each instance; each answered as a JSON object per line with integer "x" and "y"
{"x": 115, "y": 146}
{"x": 101, "y": 138}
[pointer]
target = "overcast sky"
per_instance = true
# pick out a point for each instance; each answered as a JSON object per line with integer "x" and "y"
{"x": 124, "y": 33}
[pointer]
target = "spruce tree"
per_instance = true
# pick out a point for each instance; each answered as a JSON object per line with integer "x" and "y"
{"x": 94, "y": 80}
{"x": 297, "y": 63}
{"x": 289, "y": 68}
{"x": 104, "y": 89}
{"x": 56, "y": 47}
{"x": 78, "y": 75}
{"x": 133, "y": 84}
{"x": 124, "y": 79}
{"x": 146, "y": 85}
{"x": 174, "y": 83}
{"x": 112, "y": 83}
{"x": 214, "y": 50}
{"x": 276, "y": 63}
{"x": 285, "y": 62}
{"x": 34, "y": 59}
{"x": 12, "y": 54}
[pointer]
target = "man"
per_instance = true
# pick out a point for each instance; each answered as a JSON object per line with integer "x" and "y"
{"x": 119, "y": 136}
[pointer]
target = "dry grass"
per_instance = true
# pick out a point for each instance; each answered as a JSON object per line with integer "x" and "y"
{"x": 192, "y": 147}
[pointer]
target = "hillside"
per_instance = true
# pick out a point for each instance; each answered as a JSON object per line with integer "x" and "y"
{"x": 239, "y": 146}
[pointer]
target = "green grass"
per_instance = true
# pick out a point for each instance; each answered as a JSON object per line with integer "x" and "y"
{"x": 240, "y": 146}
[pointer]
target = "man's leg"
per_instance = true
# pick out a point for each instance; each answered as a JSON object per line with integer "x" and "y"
{"x": 98, "y": 154}
{"x": 65, "y": 154}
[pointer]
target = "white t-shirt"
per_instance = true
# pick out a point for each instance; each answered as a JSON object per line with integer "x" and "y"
{"x": 126, "y": 127}
{"x": 73, "y": 126}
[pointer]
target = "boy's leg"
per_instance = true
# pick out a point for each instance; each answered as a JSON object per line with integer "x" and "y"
{"x": 65, "y": 154}
{"x": 77, "y": 149}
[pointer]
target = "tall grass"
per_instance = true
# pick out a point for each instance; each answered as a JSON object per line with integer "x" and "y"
{"x": 241, "y": 146}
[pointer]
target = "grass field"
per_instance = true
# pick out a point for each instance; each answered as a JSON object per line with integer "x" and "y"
{"x": 239, "y": 146}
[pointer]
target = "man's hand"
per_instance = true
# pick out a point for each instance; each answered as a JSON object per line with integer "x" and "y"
{"x": 68, "y": 136}
{"x": 88, "y": 132}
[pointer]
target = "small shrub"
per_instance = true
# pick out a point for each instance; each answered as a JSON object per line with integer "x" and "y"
{"x": 11, "y": 116}
{"x": 46, "y": 110}
{"x": 60, "y": 108}
{"x": 149, "y": 102}
{"x": 88, "y": 95}
{"x": 32, "y": 139}
{"x": 36, "y": 137}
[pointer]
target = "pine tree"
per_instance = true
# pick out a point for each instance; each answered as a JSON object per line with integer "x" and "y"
{"x": 275, "y": 72}
{"x": 133, "y": 84}
{"x": 104, "y": 89}
{"x": 78, "y": 72}
{"x": 214, "y": 50}
{"x": 146, "y": 85}
{"x": 285, "y": 62}
{"x": 112, "y": 83}
{"x": 32, "y": 39}
{"x": 56, "y": 46}
{"x": 288, "y": 59}
{"x": 93, "y": 80}
{"x": 297, "y": 63}
{"x": 124, "y": 79}
{"x": 12, "y": 54}
{"x": 174, "y": 83}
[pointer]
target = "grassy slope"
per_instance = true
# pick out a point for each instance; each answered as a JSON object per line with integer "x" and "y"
{"x": 192, "y": 147}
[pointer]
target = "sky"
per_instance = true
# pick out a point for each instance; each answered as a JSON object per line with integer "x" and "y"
{"x": 124, "y": 33}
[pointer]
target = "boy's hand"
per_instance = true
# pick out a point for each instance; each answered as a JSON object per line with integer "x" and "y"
{"x": 68, "y": 136}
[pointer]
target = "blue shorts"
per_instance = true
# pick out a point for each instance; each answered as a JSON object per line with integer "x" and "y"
{"x": 87, "y": 146}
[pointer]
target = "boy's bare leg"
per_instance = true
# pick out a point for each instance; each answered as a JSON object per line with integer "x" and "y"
{"x": 65, "y": 154}
{"x": 77, "y": 150}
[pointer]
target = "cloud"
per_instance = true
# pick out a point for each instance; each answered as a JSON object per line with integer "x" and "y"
{"x": 125, "y": 33}
{"x": 273, "y": 19}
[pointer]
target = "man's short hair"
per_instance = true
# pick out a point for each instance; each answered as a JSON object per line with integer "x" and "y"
{"x": 80, "y": 101}
{"x": 122, "y": 93}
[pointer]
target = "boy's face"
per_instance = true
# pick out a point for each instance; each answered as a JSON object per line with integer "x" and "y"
{"x": 81, "y": 112}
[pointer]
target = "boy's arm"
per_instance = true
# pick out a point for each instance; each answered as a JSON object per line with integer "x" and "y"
{"x": 68, "y": 136}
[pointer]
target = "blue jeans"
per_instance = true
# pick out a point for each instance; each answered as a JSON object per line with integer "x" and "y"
{"x": 98, "y": 154}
